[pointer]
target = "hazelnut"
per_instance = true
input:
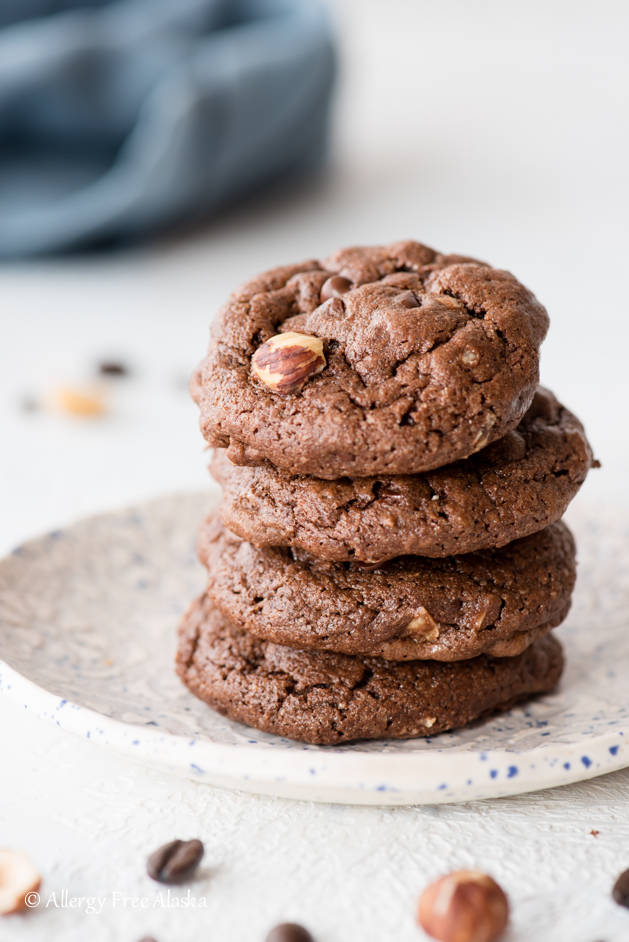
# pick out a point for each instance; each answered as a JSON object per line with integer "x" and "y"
{"x": 86, "y": 403}
{"x": 453, "y": 303}
{"x": 482, "y": 438}
{"x": 620, "y": 892}
{"x": 423, "y": 626}
{"x": 18, "y": 878}
{"x": 470, "y": 358}
{"x": 289, "y": 932}
{"x": 286, "y": 361}
{"x": 465, "y": 906}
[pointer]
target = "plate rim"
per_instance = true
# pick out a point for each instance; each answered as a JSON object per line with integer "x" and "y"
{"x": 321, "y": 775}
{"x": 328, "y": 773}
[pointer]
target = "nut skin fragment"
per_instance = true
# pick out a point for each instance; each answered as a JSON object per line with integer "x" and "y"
{"x": 18, "y": 877}
{"x": 286, "y": 361}
{"x": 465, "y": 906}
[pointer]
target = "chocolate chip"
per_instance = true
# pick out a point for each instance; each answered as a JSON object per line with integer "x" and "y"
{"x": 388, "y": 492}
{"x": 371, "y": 567}
{"x": 289, "y": 932}
{"x": 175, "y": 862}
{"x": 407, "y": 299}
{"x": 113, "y": 368}
{"x": 334, "y": 287}
{"x": 620, "y": 893}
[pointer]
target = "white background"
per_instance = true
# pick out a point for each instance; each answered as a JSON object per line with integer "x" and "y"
{"x": 495, "y": 129}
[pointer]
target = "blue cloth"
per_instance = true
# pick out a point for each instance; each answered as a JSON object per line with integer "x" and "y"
{"x": 120, "y": 118}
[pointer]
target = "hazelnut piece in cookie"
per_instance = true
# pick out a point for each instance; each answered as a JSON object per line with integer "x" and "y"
{"x": 286, "y": 361}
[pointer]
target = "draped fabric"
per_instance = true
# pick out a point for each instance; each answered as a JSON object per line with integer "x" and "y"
{"x": 119, "y": 118}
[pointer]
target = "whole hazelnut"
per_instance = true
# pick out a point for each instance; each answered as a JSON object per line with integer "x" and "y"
{"x": 465, "y": 906}
{"x": 18, "y": 878}
{"x": 289, "y": 932}
{"x": 286, "y": 361}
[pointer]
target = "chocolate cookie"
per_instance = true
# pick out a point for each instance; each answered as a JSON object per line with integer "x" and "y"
{"x": 494, "y": 601}
{"x": 400, "y": 360}
{"x": 510, "y": 489}
{"x": 318, "y": 697}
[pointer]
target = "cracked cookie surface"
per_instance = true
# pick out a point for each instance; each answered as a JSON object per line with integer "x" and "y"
{"x": 512, "y": 488}
{"x": 495, "y": 601}
{"x": 428, "y": 359}
{"x": 323, "y": 698}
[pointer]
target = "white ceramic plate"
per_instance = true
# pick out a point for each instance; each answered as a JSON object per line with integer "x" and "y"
{"x": 87, "y": 640}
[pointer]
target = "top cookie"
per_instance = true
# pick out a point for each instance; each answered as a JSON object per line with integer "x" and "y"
{"x": 403, "y": 360}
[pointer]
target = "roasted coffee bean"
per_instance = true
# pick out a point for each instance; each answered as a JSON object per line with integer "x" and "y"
{"x": 620, "y": 893}
{"x": 175, "y": 862}
{"x": 334, "y": 287}
{"x": 113, "y": 368}
{"x": 289, "y": 932}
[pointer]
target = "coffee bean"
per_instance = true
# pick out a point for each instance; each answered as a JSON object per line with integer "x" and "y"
{"x": 113, "y": 368}
{"x": 620, "y": 893}
{"x": 175, "y": 862}
{"x": 334, "y": 287}
{"x": 289, "y": 932}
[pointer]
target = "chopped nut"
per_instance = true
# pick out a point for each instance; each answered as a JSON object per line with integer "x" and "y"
{"x": 82, "y": 402}
{"x": 465, "y": 906}
{"x": 428, "y": 721}
{"x": 18, "y": 878}
{"x": 447, "y": 301}
{"x": 423, "y": 626}
{"x": 481, "y": 615}
{"x": 286, "y": 361}
{"x": 470, "y": 358}
{"x": 483, "y": 436}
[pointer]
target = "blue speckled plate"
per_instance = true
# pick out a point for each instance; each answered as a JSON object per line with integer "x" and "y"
{"x": 87, "y": 641}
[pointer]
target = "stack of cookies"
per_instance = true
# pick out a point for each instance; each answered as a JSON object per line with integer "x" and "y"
{"x": 389, "y": 558}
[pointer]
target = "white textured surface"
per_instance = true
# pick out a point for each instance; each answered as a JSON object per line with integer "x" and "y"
{"x": 347, "y": 872}
{"x": 492, "y": 128}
